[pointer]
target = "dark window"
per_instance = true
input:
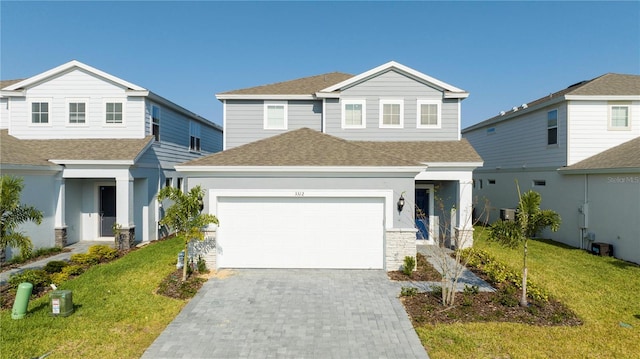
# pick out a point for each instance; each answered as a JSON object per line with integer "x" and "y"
{"x": 552, "y": 127}
{"x": 155, "y": 119}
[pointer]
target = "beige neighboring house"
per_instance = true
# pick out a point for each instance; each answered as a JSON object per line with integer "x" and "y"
{"x": 93, "y": 151}
{"x": 338, "y": 171}
{"x": 580, "y": 149}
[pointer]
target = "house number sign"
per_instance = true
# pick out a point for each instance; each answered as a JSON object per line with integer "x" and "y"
{"x": 299, "y": 194}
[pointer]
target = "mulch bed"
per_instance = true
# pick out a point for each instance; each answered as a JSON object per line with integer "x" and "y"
{"x": 173, "y": 287}
{"x": 424, "y": 272}
{"x": 8, "y": 266}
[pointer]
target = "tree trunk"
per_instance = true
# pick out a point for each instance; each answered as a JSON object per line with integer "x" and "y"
{"x": 523, "y": 298}
{"x": 186, "y": 261}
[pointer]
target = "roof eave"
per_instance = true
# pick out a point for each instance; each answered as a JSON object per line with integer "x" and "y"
{"x": 579, "y": 171}
{"x": 93, "y": 162}
{"x": 282, "y": 169}
{"x": 19, "y": 167}
{"x": 432, "y": 165}
{"x": 603, "y": 97}
{"x": 223, "y": 96}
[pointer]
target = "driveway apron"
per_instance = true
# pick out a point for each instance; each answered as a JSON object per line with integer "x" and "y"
{"x": 292, "y": 313}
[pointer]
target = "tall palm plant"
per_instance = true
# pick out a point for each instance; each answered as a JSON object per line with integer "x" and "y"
{"x": 13, "y": 214}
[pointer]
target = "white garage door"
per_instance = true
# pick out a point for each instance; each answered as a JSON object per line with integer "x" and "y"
{"x": 300, "y": 232}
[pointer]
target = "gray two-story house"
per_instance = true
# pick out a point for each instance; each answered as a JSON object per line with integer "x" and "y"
{"x": 338, "y": 171}
{"x": 93, "y": 150}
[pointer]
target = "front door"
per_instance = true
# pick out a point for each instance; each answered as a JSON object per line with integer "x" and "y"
{"x": 107, "y": 210}
{"x": 423, "y": 211}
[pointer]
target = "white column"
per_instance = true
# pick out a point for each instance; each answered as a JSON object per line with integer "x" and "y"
{"x": 60, "y": 198}
{"x": 465, "y": 213}
{"x": 124, "y": 201}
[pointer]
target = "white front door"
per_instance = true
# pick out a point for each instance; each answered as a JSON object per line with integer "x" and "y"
{"x": 300, "y": 232}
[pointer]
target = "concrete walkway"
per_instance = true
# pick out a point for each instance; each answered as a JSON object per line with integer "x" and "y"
{"x": 292, "y": 313}
{"x": 78, "y": 247}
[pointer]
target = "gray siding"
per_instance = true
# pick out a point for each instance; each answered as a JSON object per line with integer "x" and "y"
{"x": 392, "y": 85}
{"x": 522, "y": 142}
{"x": 245, "y": 120}
{"x": 398, "y": 185}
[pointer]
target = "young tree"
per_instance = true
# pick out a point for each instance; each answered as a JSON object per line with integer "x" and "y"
{"x": 13, "y": 214}
{"x": 529, "y": 221}
{"x": 185, "y": 217}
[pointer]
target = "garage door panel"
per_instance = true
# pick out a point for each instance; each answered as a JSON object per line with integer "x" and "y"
{"x": 296, "y": 232}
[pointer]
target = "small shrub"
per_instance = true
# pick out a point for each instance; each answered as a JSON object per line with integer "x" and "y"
{"x": 37, "y": 277}
{"x": 58, "y": 278}
{"x": 202, "y": 265}
{"x": 73, "y": 269}
{"x": 437, "y": 291}
{"x": 409, "y": 265}
{"x": 408, "y": 291}
{"x": 103, "y": 252}
{"x": 55, "y": 266}
{"x": 34, "y": 254}
{"x": 507, "y": 296}
{"x": 84, "y": 259}
{"x": 468, "y": 293}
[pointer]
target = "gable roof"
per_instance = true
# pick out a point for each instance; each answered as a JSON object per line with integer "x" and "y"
{"x": 330, "y": 85}
{"x": 608, "y": 86}
{"x": 5, "y": 83}
{"x": 622, "y": 158}
{"x": 309, "y": 148}
{"x": 64, "y": 151}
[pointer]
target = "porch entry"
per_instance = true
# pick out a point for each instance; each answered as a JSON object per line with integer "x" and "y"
{"x": 423, "y": 211}
{"x": 107, "y": 196}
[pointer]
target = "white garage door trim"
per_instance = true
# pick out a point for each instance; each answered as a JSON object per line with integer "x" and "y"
{"x": 300, "y": 243}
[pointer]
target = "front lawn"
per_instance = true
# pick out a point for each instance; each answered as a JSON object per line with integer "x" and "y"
{"x": 117, "y": 314}
{"x": 603, "y": 292}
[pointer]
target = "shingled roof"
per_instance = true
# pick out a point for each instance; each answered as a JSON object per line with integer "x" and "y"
{"x": 606, "y": 85}
{"x": 306, "y": 147}
{"x": 622, "y": 157}
{"x": 5, "y": 83}
{"x": 303, "y": 86}
{"x": 41, "y": 152}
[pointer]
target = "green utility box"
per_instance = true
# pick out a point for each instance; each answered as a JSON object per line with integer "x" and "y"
{"x": 61, "y": 303}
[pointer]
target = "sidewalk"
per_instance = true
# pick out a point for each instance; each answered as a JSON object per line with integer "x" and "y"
{"x": 78, "y": 247}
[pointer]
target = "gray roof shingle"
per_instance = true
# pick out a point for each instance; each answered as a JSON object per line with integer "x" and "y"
{"x": 303, "y": 86}
{"x": 623, "y": 156}
{"x": 306, "y": 147}
{"x": 39, "y": 152}
{"x": 5, "y": 83}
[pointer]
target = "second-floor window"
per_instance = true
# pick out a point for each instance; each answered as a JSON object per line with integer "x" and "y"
{"x": 155, "y": 122}
{"x": 428, "y": 114}
{"x": 353, "y": 114}
{"x": 194, "y": 136}
{"x": 275, "y": 115}
{"x": 39, "y": 112}
{"x": 77, "y": 112}
{"x": 619, "y": 117}
{"x": 391, "y": 113}
{"x": 552, "y": 127}
{"x": 113, "y": 112}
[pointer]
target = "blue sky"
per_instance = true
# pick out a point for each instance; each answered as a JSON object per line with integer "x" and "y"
{"x": 503, "y": 53}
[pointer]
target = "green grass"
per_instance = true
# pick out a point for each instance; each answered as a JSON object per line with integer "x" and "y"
{"x": 117, "y": 315}
{"x": 603, "y": 292}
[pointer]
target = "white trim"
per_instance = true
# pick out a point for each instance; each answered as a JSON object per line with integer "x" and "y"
{"x": 384, "y": 102}
{"x": 49, "y": 101}
{"x": 222, "y": 97}
{"x": 265, "y": 114}
{"x": 389, "y": 205}
{"x": 93, "y": 162}
{"x": 327, "y": 95}
{"x": 610, "y": 106}
{"x": 397, "y": 66}
{"x": 343, "y": 112}
{"x": 71, "y": 100}
{"x": 104, "y": 112}
{"x": 323, "y": 123}
{"x": 433, "y": 228}
{"x": 69, "y": 66}
{"x": 454, "y": 164}
{"x": 459, "y": 120}
{"x": 224, "y": 124}
{"x": 603, "y": 97}
{"x": 299, "y": 169}
{"x": 438, "y": 103}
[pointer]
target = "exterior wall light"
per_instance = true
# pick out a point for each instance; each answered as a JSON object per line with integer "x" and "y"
{"x": 400, "y": 203}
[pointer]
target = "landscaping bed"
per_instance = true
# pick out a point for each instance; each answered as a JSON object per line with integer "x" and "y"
{"x": 424, "y": 272}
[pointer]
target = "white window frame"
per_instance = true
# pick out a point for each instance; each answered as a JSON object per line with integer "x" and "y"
{"x": 154, "y": 122}
{"x": 384, "y": 102}
{"x": 610, "y": 125}
{"x": 49, "y": 102}
{"x": 343, "y": 106}
{"x": 69, "y": 101}
{"x": 104, "y": 113}
{"x": 194, "y": 133}
{"x": 552, "y": 127}
{"x": 419, "y": 104}
{"x": 285, "y": 106}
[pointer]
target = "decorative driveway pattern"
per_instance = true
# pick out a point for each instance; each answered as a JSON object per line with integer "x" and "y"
{"x": 292, "y": 313}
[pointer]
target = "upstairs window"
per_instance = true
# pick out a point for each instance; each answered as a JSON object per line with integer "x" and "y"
{"x": 39, "y": 112}
{"x": 275, "y": 115}
{"x": 552, "y": 127}
{"x": 353, "y": 114}
{"x": 194, "y": 136}
{"x": 619, "y": 117}
{"x": 155, "y": 122}
{"x": 391, "y": 113}
{"x": 113, "y": 112}
{"x": 77, "y": 112}
{"x": 428, "y": 114}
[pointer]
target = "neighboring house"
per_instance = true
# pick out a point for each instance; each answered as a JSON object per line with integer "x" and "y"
{"x": 578, "y": 148}
{"x": 94, "y": 150}
{"x": 314, "y": 171}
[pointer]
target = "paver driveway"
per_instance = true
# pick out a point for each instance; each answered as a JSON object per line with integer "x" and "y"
{"x": 277, "y": 313}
